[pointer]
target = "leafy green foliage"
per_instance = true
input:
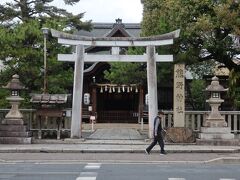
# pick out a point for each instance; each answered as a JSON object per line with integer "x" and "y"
{"x": 136, "y": 73}
{"x": 25, "y": 10}
{"x": 206, "y": 28}
{"x": 234, "y": 89}
{"x": 197, "y": 95}
{"x": 164, "y": 73}
{"x": 198, "y": 70}
{"x": 22, "y": 44}
{"x": 3, "y": 94}
{"x": 21, "y": 52}
{"x": 127, "y": 73}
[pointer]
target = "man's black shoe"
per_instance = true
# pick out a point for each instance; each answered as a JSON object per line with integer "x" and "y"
{"x": 163, "y": 153}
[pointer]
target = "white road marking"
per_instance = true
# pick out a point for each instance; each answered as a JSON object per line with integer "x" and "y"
{"x": 88, "y": 174}
{"x": 92, "y": 166}
{"x": 226, "y": 179}
{"x": 86, "y": 178}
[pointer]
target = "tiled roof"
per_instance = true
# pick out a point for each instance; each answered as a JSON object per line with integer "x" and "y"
{"x": 103, "y": 29}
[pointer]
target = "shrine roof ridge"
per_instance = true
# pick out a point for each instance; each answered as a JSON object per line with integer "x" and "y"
{"x": 99, "y": 25}
{"x": 63, "y": 35}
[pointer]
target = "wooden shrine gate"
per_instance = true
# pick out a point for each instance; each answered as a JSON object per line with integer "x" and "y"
{"x": 115, "y": 42}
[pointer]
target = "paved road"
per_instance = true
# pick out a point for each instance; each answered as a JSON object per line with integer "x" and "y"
{"x": 116, "y": 171}
{"x": 168, "y": 172}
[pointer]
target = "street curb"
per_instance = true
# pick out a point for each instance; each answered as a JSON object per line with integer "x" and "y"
{"x": 229, "y": 160}
{"x": 46, "y": 150}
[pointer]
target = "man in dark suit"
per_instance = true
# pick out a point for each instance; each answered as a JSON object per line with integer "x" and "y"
{"x": 157, "y": 134}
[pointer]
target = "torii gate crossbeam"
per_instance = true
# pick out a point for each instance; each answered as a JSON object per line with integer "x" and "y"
{"x": 70, "y": 39}
{"x": 115, "y": 58}
{"x": 80, "y": 57}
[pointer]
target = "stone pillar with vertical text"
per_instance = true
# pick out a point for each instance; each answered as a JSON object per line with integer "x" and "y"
{"x": 179, "y": 95}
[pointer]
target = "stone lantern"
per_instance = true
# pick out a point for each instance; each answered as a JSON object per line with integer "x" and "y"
{"x": 215, "y": 119}
{"x": 12, "y": 128}
{"x": 215, "y": 130}
{"x": 14, "y": 116}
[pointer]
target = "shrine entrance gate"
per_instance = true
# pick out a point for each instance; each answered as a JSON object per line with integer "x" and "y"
{"x": 115, "y": 42}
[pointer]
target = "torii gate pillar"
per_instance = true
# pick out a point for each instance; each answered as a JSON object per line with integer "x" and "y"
{"x": 76, "y": 124}
{"x": 152, "y": 88}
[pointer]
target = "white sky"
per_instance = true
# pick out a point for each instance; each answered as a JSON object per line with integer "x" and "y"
{"x": 130, "y": 11}
{"x": 107, "y": 10}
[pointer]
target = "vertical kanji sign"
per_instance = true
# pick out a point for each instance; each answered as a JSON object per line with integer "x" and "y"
{"x": 179, "y": 95}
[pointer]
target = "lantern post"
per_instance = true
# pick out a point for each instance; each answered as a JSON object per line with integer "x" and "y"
{"x": 14, "y": 116}
{"x": 215, "y": 130}
{"x": 215, "y": 119}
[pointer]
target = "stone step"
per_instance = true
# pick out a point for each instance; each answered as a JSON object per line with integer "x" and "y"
{"x": 219, "y": 130}
{"x": 13, "y": 121}
{"x": 14, "y": 134}
{"x": 213, "y": 136}
{"x": 218, "y": 142}
{"x": 15, "y": 140}
{"x": 13, "y": 128}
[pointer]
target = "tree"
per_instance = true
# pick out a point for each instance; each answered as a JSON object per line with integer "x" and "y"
{"x": 22, "y": 43}
{"x": 199, "y": 69}
{"x": 25, "y": 10}
{"x": 127, "y": 73}
{"x": 197, "y": 95}
{"x": 207, "y": 28}
{"x": 136, "y": 73}
{"x": 234, "y": 89}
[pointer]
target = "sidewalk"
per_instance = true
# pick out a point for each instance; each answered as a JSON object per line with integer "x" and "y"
{"x": 104, "y": 146}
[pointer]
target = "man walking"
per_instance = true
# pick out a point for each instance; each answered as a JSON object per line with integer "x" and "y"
{"x": 157, "y": 134}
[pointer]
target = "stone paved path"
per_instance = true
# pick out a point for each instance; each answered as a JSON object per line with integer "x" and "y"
{"x": 115, "y": 133}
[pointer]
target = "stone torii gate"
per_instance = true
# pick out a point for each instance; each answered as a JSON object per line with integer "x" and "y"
{"x": 115, "y": 42}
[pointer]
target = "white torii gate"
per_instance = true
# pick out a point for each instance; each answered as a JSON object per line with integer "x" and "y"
{"x": 115, "y": 42}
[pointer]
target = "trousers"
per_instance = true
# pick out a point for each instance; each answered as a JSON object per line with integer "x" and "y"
{"x": 157, "y": 139}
